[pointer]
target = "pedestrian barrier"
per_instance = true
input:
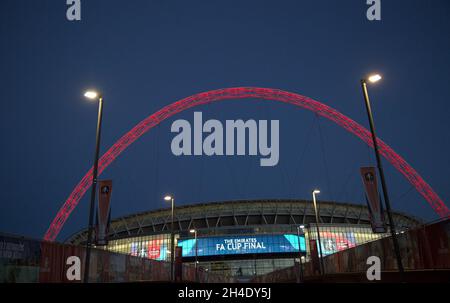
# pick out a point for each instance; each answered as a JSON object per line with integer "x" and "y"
{"x": 422, "y": 249}
{"x": 31, "y": 261}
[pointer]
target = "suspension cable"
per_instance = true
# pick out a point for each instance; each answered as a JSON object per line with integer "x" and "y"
{"x": 302, "y": 154}
{"x": 322, "y": 147}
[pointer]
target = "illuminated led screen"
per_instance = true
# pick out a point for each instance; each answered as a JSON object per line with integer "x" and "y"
{"x": 235, "y": 245}
{"x": 333, "y": 242}
{"x": 155, "y": 249}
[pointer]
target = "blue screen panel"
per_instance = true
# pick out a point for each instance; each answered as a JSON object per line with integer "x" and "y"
{"x": 236, "y": 245}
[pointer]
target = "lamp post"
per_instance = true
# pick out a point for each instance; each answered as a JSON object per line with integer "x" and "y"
{"x": 172, "y": 240}
{"x": 193, "y": 231}
{"x": 300, "y": 252}
{"x": 314, "y": 192}
{"x": 92, "y": 95}
{"x": 373, "y": 79}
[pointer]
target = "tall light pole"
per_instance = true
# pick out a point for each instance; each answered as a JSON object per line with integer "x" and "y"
{"x": 314, "y": 192}
{"x": 193, "y": 231}
{"x": 373, "y": 79}
{"x": 172, "y": 239}
{"x": 301, "y": 227}
{"x": 93, "y": 95}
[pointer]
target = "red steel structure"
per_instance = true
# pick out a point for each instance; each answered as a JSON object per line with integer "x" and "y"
{"x": 244, "y": 93}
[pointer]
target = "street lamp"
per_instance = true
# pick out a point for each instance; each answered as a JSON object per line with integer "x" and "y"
{"x": 93, "y": 95}
{"x": 314, "y": 193}
{"x": 172, "y": 240}
{"x": 373, "y": 79}
{"x": 193, "y": 231}
{"x": 301, "y": 227}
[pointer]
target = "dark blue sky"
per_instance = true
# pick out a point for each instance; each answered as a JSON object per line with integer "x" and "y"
{"x": 146, "y": 54}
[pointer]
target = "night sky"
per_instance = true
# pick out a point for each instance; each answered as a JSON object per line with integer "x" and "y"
{"x": 144, "y": 55}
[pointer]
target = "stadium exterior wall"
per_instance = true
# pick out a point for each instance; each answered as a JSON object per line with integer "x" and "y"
{"x": 267, "y": 230}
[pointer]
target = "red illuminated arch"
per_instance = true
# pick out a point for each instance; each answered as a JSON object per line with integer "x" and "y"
{"x": 242, "y": 93}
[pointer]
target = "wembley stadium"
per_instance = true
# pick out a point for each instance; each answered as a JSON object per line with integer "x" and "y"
{"x": 244, "y": 238}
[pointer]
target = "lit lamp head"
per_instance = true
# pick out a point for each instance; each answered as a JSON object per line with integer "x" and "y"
{"x": 168, "y": 198}
{"x": 374, "y": 78}
{"x": 92, "y": 95}
{"x": 192, "y": 231}
{"x": 316, "y": 191}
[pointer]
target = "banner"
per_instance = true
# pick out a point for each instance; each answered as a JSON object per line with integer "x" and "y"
{"x": 373, "y": 200}
{"x": 103, "y": 212}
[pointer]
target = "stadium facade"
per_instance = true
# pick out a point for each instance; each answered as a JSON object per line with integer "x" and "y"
{"x": 244, "y": 238}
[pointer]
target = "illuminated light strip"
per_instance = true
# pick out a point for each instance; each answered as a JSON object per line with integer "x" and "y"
{"x": 243, "y": 93}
